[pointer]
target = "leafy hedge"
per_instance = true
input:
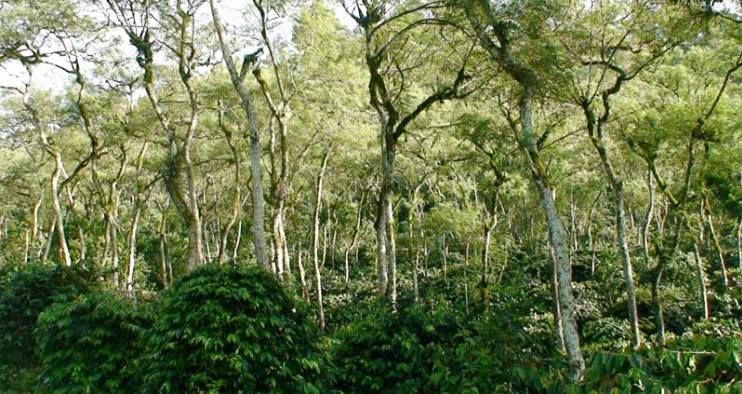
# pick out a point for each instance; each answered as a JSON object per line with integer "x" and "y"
{"x": 90, "y": 345}
{"x": 394, "y": 351}
{"x": 25, "y": 294}
{"x": 695, "y": 364}
{"x": 225, "y": 329}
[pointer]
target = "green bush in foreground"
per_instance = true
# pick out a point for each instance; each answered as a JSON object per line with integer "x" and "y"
{"x": 226, "y": 329}
{"x": 695, "y": 364}
{"x": 90, "y": 345}
{"x": 25, "y": 294}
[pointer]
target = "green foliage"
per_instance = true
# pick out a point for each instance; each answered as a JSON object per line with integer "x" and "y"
{"x": 25, "y": 294}
{"x": 695, "y": 364}
{"x": 230, "y": 329}
{"x": 395, "y": 351}
{"x": 90, "y": 344}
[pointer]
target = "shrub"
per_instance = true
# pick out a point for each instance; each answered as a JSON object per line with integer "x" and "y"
{"x": 90, "y": 344}
{"x": 395, "y": 351}
{"x": 225, "y": 329}
{"x": 25, "y": 294}
{"x": 694, "y": 364}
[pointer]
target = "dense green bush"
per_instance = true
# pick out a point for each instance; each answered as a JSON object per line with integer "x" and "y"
{"x": 402, "y": 351}
{"x": 25, "y": 294}
{"x": 693, "y": 364}
{"x": 226, "y": 329}
{"x": 90, "y": 344}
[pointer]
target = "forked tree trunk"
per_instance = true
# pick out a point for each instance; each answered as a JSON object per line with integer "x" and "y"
{"x": 256, "y": 169}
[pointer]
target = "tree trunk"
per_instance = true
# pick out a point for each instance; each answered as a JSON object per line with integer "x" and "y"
{"x": 62, "y": 248}
{"x": 113, "y": 239}
{"x": 302, "y": 276}
{"x": 717, "y": 245}
{"x": 237, "y": 196}
{"x": 258, "y": 199}
{"x": 132, "y": 255}
{"x": 161, "y": 229}
{"x": 315, "y": 240}
{"x": 558, "y": 325}
{"x": 445, "y": 261}
{"x": 35, "y": 225}
{"x": 557, "y": 236}
{"x": 466, "y": 277}
{"x": 648, "y": 219}
{"x": 702, "y": 282}
{"x": 595, "y": 131}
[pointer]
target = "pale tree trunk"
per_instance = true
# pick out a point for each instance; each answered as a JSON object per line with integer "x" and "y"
{"x": 186, "y": 50}
{"x": 715, "y": 239}
{"x": 237, "y": 196}
{"x": 354, "y": 240}
{"x": 466, "y": 277}
{"x": 62, "y": 248}
{"x": 48, "y": 242}
{"x": 302, "y": 275}
{"x": 281, "y": 112}
{"x": 557, "y": 236}
{"x": 132, "y": 255}
{"x": 112, "y": 239}
{"x": 35, "y": 229}
{"x": 484, "y": 284}
{"x": 528, "y": 80}
{"x": 325, "y": 229}
{"x": 595, "y": 131}
{"x": 178, "y": 159}
{"x": 385, "y": 248}
{"x": 162, "y": 232}
{"x": 139, "y": 201}
{"x": 558, "y": 325}
{"x": 445, "y": 261}
{"x": 27, "y": 246}
{"x": 590, "y": 240}
{"x": 315, "y": 239}
{"x": 702, "y": 282}
{"x": 237, "y": 242}
{"x": 648, "y": 219}
{"x": 238, "y": 81}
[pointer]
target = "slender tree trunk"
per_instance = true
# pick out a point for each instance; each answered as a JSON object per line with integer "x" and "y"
{"x": 558, "y": 325}
{"x": 717, "y": 245}
{"x": 557, "y": 236}
{"x": 48, "y": 243}
{"x": 113, "y": 236}
{"x": 62, "y": 248}
{"x": 445, "y": 261}
{"x": 648, "y": 219}
{"x": 161, "y": 229}
{"x": 35, "y": 225}
{"x": 466, "y": 277}
{"x": 302, "y": 275}
{"x": 236, "y": 248}
{"x": 702, "y": 282}
{"x": 590, "y": 240}
{"x": 258, "y": 199}
{"x": 132, "y": 255}
{"x": 237, "y": 196}
{"x": 595, "y": 131}
{"x": 315, "y": 240}
{"x": 386, "y": 259}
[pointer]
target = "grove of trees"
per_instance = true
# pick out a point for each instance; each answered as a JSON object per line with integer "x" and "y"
{"x": 370, "y": 196}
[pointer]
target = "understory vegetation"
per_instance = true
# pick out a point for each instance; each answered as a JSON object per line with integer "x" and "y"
{"x": 372, "y": 196}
